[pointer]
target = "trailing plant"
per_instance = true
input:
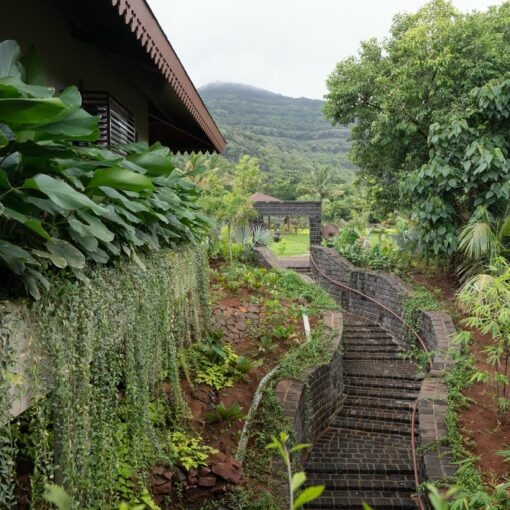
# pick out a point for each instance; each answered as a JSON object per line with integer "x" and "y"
{"x": 109, "y": 350}
{"x": 63, "y": 204}
{"x": 421, "y": 300}
{"x": 296, "y": 480}
{"x": 189, "y": 451}
{"x": 468, "y": 476}
{"x": 222, "y": 413}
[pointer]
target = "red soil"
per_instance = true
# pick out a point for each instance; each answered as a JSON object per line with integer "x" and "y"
{"x": 479, "y": 423}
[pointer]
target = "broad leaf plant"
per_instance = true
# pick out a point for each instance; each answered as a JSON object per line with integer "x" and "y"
{"x": 65, "y": 202}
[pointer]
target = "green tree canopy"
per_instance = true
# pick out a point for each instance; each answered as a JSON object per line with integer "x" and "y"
{"x": 395, "y": 89}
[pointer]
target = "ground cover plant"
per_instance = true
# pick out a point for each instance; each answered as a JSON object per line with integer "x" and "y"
{"x": 256, "y": 324}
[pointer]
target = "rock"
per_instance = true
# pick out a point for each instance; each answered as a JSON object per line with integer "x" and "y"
{"x": 241, "y": 326}
{"x": 231, "y": 470}
{"x": 204, "y": 471}
{"x": 168, "y": 474}
{"x": 182, "y": 475}
{"x": 159, "y": 469}
{"x": 192, "y": 476}
{"x": 159, "y": 480}
{"x": 165, "y": 488}
{"x": 216, "y": 458}
{"x": 207, "y": 481}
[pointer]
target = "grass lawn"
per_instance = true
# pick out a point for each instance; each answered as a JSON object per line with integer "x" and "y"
{"x": 291, "y": 244}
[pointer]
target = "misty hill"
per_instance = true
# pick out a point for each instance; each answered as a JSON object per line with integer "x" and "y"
{"x": 285, "y": 133}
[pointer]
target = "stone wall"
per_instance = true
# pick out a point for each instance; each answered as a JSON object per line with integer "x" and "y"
{"x": 310, "y": 402}
{"x": 390, "y": 293}
{"x": 310, "y": 209}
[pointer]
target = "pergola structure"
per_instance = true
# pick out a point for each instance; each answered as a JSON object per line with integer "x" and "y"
{"x": 275, "y": 207}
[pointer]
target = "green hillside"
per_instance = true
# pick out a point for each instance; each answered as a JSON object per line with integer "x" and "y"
{"x": 288, "y": 135}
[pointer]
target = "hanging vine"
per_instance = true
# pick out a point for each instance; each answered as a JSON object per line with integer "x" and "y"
{"x": 110, "y": 347}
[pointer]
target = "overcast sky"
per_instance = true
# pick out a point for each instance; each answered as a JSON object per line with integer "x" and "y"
{"x": 286, "y": 46}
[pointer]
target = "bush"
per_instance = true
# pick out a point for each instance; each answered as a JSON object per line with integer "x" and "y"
{"x": 62, "y": 204}
{"x": 379, "y": 258}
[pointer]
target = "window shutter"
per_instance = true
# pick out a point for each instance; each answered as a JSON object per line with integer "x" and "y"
{"x": 116, "y": 123}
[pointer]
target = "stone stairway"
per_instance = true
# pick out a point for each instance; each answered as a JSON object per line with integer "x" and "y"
{"x": 365, "y": 455}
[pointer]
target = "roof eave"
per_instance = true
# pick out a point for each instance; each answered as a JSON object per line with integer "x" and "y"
{"x": 140, "y": 19}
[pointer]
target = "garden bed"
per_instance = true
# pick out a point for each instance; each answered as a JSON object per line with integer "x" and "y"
{"x": 258, "y": 315}
{"x": 482, "y": 432}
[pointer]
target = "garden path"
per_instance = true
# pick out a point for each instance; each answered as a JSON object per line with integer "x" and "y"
{"x": 365, "y": 455}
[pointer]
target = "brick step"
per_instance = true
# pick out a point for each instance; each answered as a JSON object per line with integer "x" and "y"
{"x": 372, "y": 348}
{"x": 362, "y": 356}
{"x": 385, "y": 427}
{"x": 386, "y": 342}
{"x": 379, "y": 402}
{"x": 380, "y": 374}
{"x": 361, "y": 335}
{"x": 374, "y": 382}
{"x": 357, "y": 453}
{"x": 369, "y": 413}
{"x": 397, "y": 369}
{"x": 335, "y": 439}
{"x": 334, "y": 500}
{"x": 380, "y": 392}
{"x": 350, "y": 468}
{"x": 357, "y": 481}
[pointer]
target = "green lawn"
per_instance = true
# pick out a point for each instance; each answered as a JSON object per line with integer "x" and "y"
{"x": 291, "y": 244}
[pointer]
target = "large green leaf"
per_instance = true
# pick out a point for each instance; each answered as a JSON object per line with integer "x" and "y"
{"x": 62, "y": 194}
{"x": 15, "y": 256}
{"x": 93, "y": 227}
{"x": 308, "y": 495}
{"x": 156, "y": 161}
{"x": 55, "y": 259}
{"x": 32, "y": 223}
{"x": 34, "y": 73}
{"x": 133, "y": 205}
{"x": 67, "y": 251}
{"x": 9, "y": 56}
{"x": 13, "y": 87}
{"x": 78, "y": 125}
{"x": 6, "y": 135}
{"x": 120, "y": 178}
{"x": 30, "y": 112}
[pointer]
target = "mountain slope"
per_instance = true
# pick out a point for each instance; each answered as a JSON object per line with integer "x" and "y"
{"x": 286, "y": 134}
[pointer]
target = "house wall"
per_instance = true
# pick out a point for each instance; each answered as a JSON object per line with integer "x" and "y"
{"x": 67, "y": 61}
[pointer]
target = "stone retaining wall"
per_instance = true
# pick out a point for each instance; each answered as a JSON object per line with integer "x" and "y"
{"x": 436, "y": 331}
{"x": 310, "y": 402}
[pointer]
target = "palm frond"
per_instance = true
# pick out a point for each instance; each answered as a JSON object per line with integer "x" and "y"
{"x": 477, "y": 240}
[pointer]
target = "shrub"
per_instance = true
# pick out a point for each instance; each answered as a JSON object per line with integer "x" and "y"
{"x": 63, "y": 204}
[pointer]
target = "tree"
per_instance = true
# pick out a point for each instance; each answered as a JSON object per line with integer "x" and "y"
{"x": 394, "y": 90}
{"x": 319, "y": 182}
{"x": 466, "y": 180}
{"x": 247, "y": 176}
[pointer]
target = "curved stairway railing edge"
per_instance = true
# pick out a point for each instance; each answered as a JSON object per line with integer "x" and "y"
{"x": 436, "y": 463}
